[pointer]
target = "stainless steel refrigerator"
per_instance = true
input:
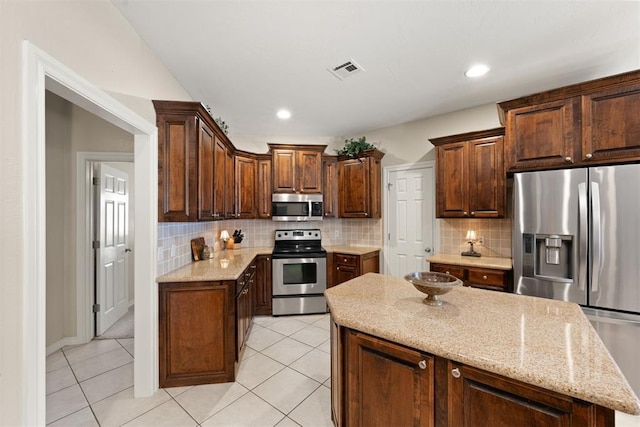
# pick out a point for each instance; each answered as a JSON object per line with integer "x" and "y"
{"x": 576, "y": 237}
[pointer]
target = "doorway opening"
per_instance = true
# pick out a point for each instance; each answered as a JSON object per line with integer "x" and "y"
{"x": 41, "y": 72}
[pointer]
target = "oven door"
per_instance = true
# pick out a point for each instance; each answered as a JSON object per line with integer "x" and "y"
{"x": 299, "y": 276}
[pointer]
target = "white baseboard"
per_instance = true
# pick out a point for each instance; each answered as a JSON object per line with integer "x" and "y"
{"x": 63, "y": 342}
{"x": 132, "y": 303}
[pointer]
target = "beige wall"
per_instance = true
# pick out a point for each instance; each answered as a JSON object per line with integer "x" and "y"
{"x": 94, "y": 40}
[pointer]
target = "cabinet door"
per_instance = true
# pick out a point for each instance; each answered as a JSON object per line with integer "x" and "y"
{"x": 177, "y": 167}
{"x": 353, "y": 177}
{"x": 241, "y": 316}
{"x": 196, "y": 333}
{"x": 486, "y": 178}
{"x": 205, "y": 172}
{"x": 309, "y": 172}
{"x": 387, "y": 384}
{"x": 478, "y": 398}
{"x": 337, "y": 374}
{"x": 330, "y": 186}
{"x": 220, "y": 171}
{"x": 611, "y": 122}
{"x": 245, "y": 187}
{"x": 262, "y": 294}
{"x": 229, "y": 186}
{"x": 454, "y": 270}
{"x": 347, "y": 267}
{"x": 375, "y": 188}
{"x": 264, "y": 188}
{"x": 543, "y": 136}
{"x": 487, "y": 278}
{"x": 284, "y": 171}
{"x": 452, "y": 181}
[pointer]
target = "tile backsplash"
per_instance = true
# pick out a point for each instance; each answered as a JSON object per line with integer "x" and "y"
{"x": 496, "y": 233}
{"x": 174, "y": 239}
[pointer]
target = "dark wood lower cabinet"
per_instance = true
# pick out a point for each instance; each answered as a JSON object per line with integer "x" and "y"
{"x": 262, "y": 294}
{"x": 343, "y": 267}
{"x": 196, "y": 342}
{"x": 375, "y": 382}
{"x": 387, "y": 384}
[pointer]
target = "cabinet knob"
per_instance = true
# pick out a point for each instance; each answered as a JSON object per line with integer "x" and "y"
{"x": 422, "y": 364}
{"x": 455, "y": 372}
{"x": 484, "y": 277}
{"x": 337, "y": 268}
{"x": 465, "y": 213}
{"x": 447, "y": 272}
{"x": 589, "y": 155}
{"x": 366, "y": 214}
{"x": 567, "y": 159}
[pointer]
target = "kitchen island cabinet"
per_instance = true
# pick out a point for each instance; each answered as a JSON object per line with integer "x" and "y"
{"x": 546, "y": 367}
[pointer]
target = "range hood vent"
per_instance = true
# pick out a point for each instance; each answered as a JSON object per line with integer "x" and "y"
{"x": 345, "y": 70}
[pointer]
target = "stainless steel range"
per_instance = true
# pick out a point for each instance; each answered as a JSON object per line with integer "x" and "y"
{"x": 299, "y": 272}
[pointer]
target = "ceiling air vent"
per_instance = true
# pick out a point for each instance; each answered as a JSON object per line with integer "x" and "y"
{"x": 345, "y": 70}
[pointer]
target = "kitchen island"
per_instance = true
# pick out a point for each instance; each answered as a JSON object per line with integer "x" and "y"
{"x": 481, "y": 359}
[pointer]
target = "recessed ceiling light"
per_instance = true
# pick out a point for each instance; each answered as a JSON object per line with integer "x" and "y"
{"x": 477, "y": 70}
{"x": 284, "y": 114}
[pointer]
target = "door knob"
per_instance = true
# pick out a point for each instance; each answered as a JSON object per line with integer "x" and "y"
{"x": 427, "y": 250}
{"x": 128, "y": 250}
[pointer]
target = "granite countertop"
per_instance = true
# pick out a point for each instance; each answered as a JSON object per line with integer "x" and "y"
{"x": 225, "y": 265}
{"x": 468, "y": 261}
{"x": 543, "y": 342}
{"x": 352, "y": 250}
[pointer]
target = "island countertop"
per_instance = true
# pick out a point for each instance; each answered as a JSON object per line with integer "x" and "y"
{"x": 542, "y": 342}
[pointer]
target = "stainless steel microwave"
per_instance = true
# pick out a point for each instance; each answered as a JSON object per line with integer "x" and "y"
{"x": 296, "y": 207}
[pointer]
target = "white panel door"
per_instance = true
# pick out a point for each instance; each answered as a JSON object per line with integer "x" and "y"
{"x": 411, "y": 220}
{"x": 111, "y": 258}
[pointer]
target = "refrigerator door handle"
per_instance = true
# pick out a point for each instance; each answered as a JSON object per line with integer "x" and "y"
{"x": 596, "y": 240}
{"x": 582, "y": 235}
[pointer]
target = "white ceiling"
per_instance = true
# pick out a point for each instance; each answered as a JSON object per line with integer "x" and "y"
{"x": 247, "y": 59}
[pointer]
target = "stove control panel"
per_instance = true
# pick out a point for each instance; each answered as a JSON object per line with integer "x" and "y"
{"x": 308, "y": 234}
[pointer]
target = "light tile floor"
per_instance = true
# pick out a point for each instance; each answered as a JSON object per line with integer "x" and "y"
{"x": 283, "y": 381}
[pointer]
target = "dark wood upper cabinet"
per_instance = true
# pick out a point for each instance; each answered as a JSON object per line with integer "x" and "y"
{"x": 297, "y": 169}
{"x": 220, "y": 171}
{"x": 246, "y": 185}
{"x": 611, "y": 123}
{"x": 177, "y": 166}
{"x": 264, "y": 186}
{"x": 205, "y": 172}
{"x": 230, "y": 208}
{"x": 360, "y": 185}
{"x": 192, "y": 154}
{"x": 330, "y": 186}
{"x": 590, "y": 123}
{"x": 470, "y": 176}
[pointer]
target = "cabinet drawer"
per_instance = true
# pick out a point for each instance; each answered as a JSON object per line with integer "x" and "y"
{"x": 449, "y": 269}
{"x": 487, "y": 277}
{"x": 343, "y": 259}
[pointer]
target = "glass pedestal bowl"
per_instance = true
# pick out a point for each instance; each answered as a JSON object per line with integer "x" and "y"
{"x": 432, "y": 284}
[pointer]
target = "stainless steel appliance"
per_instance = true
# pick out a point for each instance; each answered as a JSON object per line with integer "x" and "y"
{"x": 296, "y": 207}
{"x": 299, "y": 272}
{"x": 576, "y": 236}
